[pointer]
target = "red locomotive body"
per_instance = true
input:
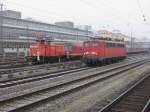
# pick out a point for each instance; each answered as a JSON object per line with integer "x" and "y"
{"x": 43, "y": 51}
{"x": 75, "y": 50}
{"x": 97, "y": 51}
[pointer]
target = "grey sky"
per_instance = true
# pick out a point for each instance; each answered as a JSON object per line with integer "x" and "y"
{"x": 124, "y": 15}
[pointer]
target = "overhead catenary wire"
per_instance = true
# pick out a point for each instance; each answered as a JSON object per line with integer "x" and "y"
{"x": 141, "y": 10}
{"x": 125, "y": 20}
{"x": 116, "y": 10}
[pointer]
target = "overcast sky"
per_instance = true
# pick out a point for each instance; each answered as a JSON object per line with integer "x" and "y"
{"x": 124, "y": 15}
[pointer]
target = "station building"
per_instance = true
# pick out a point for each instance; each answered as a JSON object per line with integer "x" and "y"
{"x": 16, "y": 34}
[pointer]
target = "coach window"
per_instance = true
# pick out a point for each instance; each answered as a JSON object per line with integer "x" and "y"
{"x": 122, "y": 45}
{"x": 113, "y": 44}
{"x": 107, "y": 44}
{"x": 117, "y": 45}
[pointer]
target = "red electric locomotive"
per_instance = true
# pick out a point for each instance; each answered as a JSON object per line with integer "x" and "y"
{"x": 102, "y": 50}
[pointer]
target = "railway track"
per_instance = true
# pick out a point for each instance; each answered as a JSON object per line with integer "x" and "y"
{"x": 14, "y": 64}
{"x": 22, "y": 73}
{"x": 23, "y": 80}
{"x": 34, "y": 67}
{"x": 28, "y": 100}
{"x": 135, "y": 99}
{"x": 28, "y": 79}
{"x": 40, "y": 72}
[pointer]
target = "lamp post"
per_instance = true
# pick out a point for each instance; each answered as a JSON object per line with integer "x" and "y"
{"x": 131, "y": 34}
{"x": 131, "y": 39}
{"x": 1, "y": 27}
{"x": 77, "y": 34}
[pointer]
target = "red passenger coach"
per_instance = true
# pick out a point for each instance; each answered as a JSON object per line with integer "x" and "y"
{"x": 98, "y": 51}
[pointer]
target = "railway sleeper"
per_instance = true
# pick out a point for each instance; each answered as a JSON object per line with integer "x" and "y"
{"x": 126, "y": 108}
{"x": 121, "y": 110}
{"x": 134, "y": 100}
{"x": 146, "y": 94}
{"x": 135, "y": 97}
{"x": 135, "y": 104}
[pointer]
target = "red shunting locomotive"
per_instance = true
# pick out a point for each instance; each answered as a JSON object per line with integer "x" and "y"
{"x": 44, "y": 51}
{"x": 103, "y": 50}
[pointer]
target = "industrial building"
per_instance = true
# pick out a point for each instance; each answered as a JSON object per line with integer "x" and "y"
{"x": 131, "y": 42}
{"x": 16, "y": 34}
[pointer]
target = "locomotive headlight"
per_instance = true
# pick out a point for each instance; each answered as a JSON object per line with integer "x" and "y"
{"x": 94, "y": 53}
{"x": 86, "y": 53}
